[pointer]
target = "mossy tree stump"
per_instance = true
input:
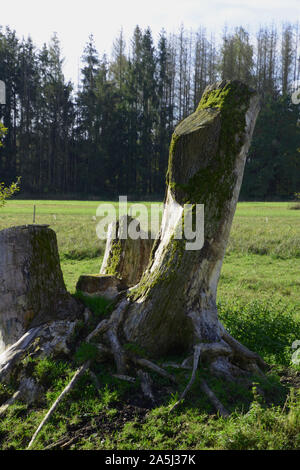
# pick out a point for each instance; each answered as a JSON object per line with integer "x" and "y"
{"x": 32, "y": 289}
{"x": 173, "y": 308}
{"x": 126, "y": 258}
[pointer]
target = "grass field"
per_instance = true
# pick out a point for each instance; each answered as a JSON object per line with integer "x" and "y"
{"x": 259, "y": 303}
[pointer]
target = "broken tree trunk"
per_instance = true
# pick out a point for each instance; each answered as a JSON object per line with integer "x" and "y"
{"x": 125, "y": 257}
{"x": 173, "y": 308}
{"x": 32, "y": 289}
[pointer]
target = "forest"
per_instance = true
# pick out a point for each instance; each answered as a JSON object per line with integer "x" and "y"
{"x": 109, "y": 134}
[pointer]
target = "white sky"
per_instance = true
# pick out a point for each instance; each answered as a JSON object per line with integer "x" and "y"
{"x": 74, "y": 20}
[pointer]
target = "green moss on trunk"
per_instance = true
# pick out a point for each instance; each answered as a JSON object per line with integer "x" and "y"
{"x": 114, "y": 260}
{"x": 223, "y": 110}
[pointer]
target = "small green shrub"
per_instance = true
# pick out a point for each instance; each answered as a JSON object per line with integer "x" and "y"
{"x": 48, "y": 371}
{"x": 265, "y": 327}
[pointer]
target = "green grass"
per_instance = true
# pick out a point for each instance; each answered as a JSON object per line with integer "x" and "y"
{"x": 259, "y": 300}
{"x": 194, "y": 426}
{"x": 256, "y": 430}
{"x": 270, "y": 229}
{"x": 73, "y": 221}
{"x": 267, "y": 327}
{"x": 248, "y": 276}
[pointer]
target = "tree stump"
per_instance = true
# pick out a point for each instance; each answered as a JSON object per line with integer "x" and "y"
{"x": 173, "y": 308}
{"x": 125, "y": 257}
{"x": 32, "y": 289}
{"x": 100, "y": 285}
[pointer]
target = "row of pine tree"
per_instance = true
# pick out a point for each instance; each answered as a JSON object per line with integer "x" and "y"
{"x": 109, "y": 135}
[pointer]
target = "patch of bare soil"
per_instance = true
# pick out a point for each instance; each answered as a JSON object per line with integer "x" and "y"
{"x": 103, "y": 424}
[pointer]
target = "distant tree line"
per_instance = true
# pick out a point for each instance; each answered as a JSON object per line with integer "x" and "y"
{"x": 110, "y": 135}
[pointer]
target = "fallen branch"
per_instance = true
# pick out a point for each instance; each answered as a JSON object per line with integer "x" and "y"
{"x": 66, "y": 390}
{"x": 68, "y": 440}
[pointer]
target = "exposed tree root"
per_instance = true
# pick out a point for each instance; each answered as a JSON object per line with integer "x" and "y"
{"x": 101, "y": 328}
{"x": 103, "y": 352}
{"x": 150, "y": 365}
{"x": 218, "y": 355}
{"x": 146, "y": 385}
{"x": 126, "y": 378}
{"x": 241, "y": 352}
{"x": 186, "y": 364}
{"x": 9, "y": 402}
{"x": 11, "y": 356}
{"x": 227, "y": 359}
{"x": 175, "y": 365}
{"x": 117, "y": 351}
{"x": 221, "y": 367}
{"x": 213, "y": 399}
{"x": 214, "y": 350}
{"x": 197, "y": 352}
{"x": 95, "y": 381}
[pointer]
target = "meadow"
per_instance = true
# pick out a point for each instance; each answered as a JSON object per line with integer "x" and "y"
{"x": 259, "y": 303}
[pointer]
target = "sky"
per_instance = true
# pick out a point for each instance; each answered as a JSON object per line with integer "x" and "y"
{"x": 75, "y": 20}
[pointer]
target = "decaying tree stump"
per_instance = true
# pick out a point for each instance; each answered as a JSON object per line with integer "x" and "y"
{"x": 100, "y": 285}
{"x": 174, "y": 305}
{"x": 124, "y": 262}
{"x": 173, "y": 308}
{"x": 32, "y": 289}
{"x": 124, "y": 257}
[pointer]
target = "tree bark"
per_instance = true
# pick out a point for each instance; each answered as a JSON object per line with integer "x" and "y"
{"x": 173, "y": 307}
